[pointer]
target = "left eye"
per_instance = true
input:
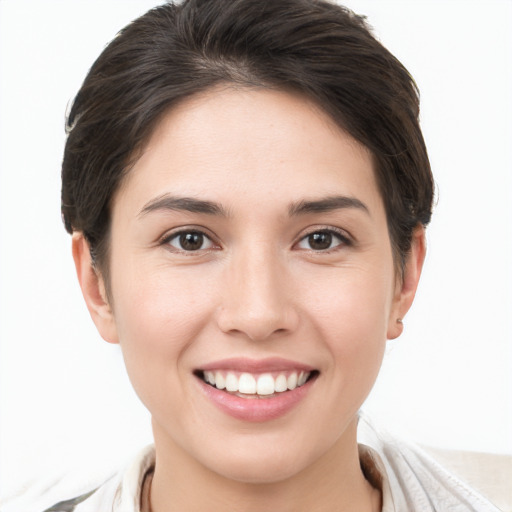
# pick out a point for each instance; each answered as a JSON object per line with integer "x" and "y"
{"x": 190, "y": 241}
{"x": 322, "y": 241}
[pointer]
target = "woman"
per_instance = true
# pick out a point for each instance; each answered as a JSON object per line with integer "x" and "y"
{"x": 247, "y": 187}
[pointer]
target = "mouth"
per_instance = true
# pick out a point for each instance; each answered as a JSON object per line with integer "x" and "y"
{"x": 256, "y": 390}
{"x": 263, "y": 385}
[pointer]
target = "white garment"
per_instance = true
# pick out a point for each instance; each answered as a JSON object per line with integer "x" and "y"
{"x": 411, "y": 482}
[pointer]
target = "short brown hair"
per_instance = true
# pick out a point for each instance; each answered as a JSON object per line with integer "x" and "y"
{"x": 314, "y": 47}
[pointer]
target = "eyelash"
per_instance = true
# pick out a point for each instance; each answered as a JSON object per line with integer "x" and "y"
{"x": 343, "y": 239}
{"x": 166, "y": 240}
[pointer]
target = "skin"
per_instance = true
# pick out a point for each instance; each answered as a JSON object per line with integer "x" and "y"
{"x": 256, "y": 288}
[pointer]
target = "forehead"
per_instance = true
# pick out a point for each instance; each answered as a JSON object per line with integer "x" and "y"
{"x": 247, "y": 142}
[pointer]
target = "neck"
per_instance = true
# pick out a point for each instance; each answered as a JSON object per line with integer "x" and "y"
{"x": 334, "y": 482}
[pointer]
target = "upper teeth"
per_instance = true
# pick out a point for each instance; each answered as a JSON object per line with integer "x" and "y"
{"x": 248, "y": 384}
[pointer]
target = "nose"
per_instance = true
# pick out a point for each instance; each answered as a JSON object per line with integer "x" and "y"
{"x": 257, "y": 296}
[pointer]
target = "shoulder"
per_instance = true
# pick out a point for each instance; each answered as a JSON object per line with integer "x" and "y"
{"x": 63, "y": 496}
{"x": 490, "y": 474}
{"x": 119, "y": 493}
{"x": 100, "y": 498}
{"x": 417, "y": 479}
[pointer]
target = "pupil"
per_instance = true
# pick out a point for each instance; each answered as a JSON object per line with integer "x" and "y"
{"x": 320, "y": 241}
{"x": 191, "y": 241}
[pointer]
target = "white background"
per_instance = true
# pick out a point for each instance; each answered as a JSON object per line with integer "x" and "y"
{"x": 65, "y": 401}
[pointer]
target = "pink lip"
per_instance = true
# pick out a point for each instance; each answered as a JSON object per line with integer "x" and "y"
{"x": 256, "y": 409}
{"x": 243, "y": 364}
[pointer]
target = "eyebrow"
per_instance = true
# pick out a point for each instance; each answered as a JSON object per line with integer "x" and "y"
{"x": 303, "y": 207}
{"x": 188, "y": 204}
{"x": 326, "y": 204}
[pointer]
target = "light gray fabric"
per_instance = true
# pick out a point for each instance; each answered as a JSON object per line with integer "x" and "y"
{"x": 490, "y": 473}
{"x": 411, "y": 481}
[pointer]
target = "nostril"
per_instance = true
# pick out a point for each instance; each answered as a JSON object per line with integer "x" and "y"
{"x": 257, "y": 312}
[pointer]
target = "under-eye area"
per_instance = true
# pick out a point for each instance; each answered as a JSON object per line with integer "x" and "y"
{"x": 260, "y": 385}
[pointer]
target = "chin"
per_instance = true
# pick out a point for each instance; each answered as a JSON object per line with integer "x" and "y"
{"x": 259, "y": 470}
{"x": 262, "y": 460}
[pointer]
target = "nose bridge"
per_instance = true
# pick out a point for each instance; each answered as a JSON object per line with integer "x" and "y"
{"x": 257, "y": 300}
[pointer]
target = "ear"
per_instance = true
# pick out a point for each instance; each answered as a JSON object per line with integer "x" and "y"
{"x": 93, "y": 290}
{"x": 406, "y": 288}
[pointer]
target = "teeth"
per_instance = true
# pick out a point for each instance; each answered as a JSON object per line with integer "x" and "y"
{"x": 281, "y": 384}
{"x": 292, "y": 381}
{"x": 231, "y": 382}
{"x": 266, "y": 385}
{"x": 302, "y": 379}
{"x": 220, "y": 381}
{"x": 248, "y": 384}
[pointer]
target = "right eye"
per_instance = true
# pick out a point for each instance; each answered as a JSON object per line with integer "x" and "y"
{"x": 189, "y": 241}
{"x": 323, "y": 240}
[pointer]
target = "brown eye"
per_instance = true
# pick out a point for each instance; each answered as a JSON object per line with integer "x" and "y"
{"x": 322, "y": 241}
{"x": 190, "y": 241}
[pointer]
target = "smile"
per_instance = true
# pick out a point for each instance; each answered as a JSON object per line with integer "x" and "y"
{"x": 256, "y": 390}
{"x": 249, "y": 385}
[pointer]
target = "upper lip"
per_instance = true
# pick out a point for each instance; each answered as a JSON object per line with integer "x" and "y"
{"x": 243, "y": 364}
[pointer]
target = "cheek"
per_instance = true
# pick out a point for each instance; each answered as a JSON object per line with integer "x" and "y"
{"x": 351, "y": 312}
{"x": 160, "y": 305}
{"x": 354, "y": 302}
{"x": 158, "y": 316}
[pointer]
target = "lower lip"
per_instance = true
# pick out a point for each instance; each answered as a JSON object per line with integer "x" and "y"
{"x": 256, "y": 409}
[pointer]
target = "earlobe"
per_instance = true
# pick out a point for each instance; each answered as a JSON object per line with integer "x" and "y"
{"x": 93, "y": 289}
{"x": 407, "y": 287}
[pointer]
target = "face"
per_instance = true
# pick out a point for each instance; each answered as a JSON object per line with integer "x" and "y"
{"x": 252, "y": 283}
